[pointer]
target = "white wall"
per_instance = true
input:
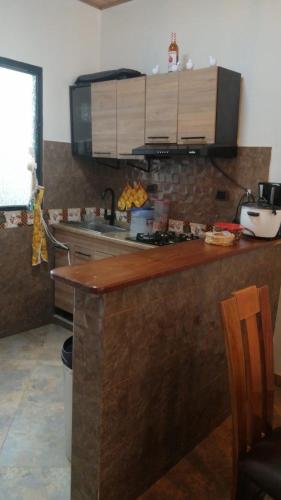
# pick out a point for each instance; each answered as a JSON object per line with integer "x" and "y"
{"x": 243, "y": 35}
{"x": 63, "y": 37}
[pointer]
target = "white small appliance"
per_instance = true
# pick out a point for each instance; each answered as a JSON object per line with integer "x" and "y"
{"x": 260, "y": 220}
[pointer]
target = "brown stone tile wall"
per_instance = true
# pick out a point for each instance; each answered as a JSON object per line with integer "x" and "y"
{"x": 163, "y": 380}
{"x": 191, "y": 184}
{"x": 26, "y": 293}
{"x": 87, "y": 387}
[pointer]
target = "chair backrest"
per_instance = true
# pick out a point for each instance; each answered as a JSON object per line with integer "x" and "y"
{"x": 249, "y": 346}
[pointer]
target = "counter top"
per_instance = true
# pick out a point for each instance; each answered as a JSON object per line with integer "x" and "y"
{"x": 113, "y": 273}
{"x": 118, "y": 237}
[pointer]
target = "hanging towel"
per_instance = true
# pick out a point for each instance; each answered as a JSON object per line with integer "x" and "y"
{"x": 39, "y": 245}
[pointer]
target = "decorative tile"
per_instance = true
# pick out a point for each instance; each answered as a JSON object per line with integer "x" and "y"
{"x": 29, "y": 218}
{"x": 74, "y": 214}
{"x": 13, "y": 219}
{"x": 55, "y": 215}
{"x": 52, "y": 216}
{"x": 122, "y": 216}
{"x": 176, "y": 225}
{"x": 198, "y": 229}
{"x": 158, "y": 226}
{"x": 90, "y": 213}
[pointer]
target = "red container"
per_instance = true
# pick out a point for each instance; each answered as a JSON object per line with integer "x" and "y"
{"x": 233, "y": 228}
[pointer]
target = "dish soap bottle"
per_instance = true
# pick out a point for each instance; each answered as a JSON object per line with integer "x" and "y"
{"x": 173, "y": 54}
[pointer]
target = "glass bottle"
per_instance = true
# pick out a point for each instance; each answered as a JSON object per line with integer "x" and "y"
{"x": 173, "y": 54}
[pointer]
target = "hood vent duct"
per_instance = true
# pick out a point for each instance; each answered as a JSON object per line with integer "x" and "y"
{"x": 179, "y": 150}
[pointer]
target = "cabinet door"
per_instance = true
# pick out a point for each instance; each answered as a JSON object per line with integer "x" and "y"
{"x": 64, "y": 295}
{"x": 161, "y": 108}
{"x": 82, "y": 254}
{"x": 104, "y": 119}
{"x": 130, "y": 115}
{"x": 102, "y": 255}
{"x": 197, "y": 106}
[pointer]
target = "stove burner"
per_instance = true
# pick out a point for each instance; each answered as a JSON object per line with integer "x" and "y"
{"x": 160, "y": 238}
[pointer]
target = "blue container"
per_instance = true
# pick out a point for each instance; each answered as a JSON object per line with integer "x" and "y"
{"x": 141, "y": 221}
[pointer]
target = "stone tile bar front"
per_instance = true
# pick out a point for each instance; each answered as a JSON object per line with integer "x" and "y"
{"x": 150, "y": 377}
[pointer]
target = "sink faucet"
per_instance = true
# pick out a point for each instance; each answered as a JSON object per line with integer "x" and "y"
{"x": 110, "y": 217}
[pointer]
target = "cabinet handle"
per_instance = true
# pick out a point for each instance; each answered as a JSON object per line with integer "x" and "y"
{"x": 102, "y": 153}
{"x": 83, "y": 254}
{"x": 158, "y": 137}
{"x": 194, "y": 137}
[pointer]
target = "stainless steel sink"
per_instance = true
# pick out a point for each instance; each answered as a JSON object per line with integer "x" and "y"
{"x": 97, "y": 227}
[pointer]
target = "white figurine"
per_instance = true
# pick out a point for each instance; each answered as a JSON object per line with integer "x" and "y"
{"x": 189, "y": 64}
{"x": 179, "y": 66}
{"x": 155, "y": 70}
{"x": 212, "y": 61}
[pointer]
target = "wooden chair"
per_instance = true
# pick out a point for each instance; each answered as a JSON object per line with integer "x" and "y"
{"x": 256, "y": 446}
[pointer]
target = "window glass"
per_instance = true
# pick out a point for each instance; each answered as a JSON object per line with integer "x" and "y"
{"x": 18, "y": 135}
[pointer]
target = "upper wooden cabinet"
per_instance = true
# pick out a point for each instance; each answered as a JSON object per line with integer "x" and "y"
{"x": 161, "y": 108}
{"x": 208, "y": 106}
{"x": 197, "y": 105}
{"x": 187, "y": 107}
{"x": 104, "y": 114}
{"x": 130, "y": 115}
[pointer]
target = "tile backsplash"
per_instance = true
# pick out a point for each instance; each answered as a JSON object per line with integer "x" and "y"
{"x": 191, "y": 183}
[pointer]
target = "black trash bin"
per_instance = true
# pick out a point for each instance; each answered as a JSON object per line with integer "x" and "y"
{"x": 66, "y": 356}
{"x": 66, "y": 352}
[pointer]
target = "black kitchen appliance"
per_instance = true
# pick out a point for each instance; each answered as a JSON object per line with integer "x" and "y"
{"x": 270, "y": 193}
{"x": 104, "y": 76}
{"x": 161, "y": 238}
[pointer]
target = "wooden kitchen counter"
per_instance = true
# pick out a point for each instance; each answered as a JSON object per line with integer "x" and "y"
{"x": 125, "y": 270}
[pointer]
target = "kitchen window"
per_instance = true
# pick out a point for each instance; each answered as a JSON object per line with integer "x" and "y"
{"x": 20, "y": 131}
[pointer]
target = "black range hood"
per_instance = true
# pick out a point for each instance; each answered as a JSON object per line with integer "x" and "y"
{"x": 171, "y": 150}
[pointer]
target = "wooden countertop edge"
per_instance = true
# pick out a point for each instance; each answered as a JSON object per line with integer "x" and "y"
{"x": 113, "y": 273}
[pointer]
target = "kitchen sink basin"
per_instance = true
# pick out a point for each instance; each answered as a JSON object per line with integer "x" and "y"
{"x": 99, "y": 227}
{"x": 104, "y": 228}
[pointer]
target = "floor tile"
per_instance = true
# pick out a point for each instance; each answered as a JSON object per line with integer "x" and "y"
{"x": 36, "y": 437}
{"x": 31, "y": 401}
{"x": 22, "y": 346}
{"x": 53, "y": 342}
{"x": 45, "y": 385}
{"x": 35, "y": 484}
{"x": 14, "y": 378}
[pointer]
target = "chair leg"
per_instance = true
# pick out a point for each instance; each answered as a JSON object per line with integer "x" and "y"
{"x": 242, "y": 488}
{"x": 246, "y": 490}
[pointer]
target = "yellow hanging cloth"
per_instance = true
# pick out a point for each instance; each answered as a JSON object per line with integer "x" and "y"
{"x": 39, "y": 244}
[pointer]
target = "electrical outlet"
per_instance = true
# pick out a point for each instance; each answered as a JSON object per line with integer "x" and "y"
{"x": 222, "y": 195}
{"x": 152, "y": 188}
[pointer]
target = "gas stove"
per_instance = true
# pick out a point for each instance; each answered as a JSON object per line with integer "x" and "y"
{"x": 160, "y": 238}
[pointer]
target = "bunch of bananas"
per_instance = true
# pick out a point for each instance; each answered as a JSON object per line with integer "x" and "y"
{"x": 132, "y": 196}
